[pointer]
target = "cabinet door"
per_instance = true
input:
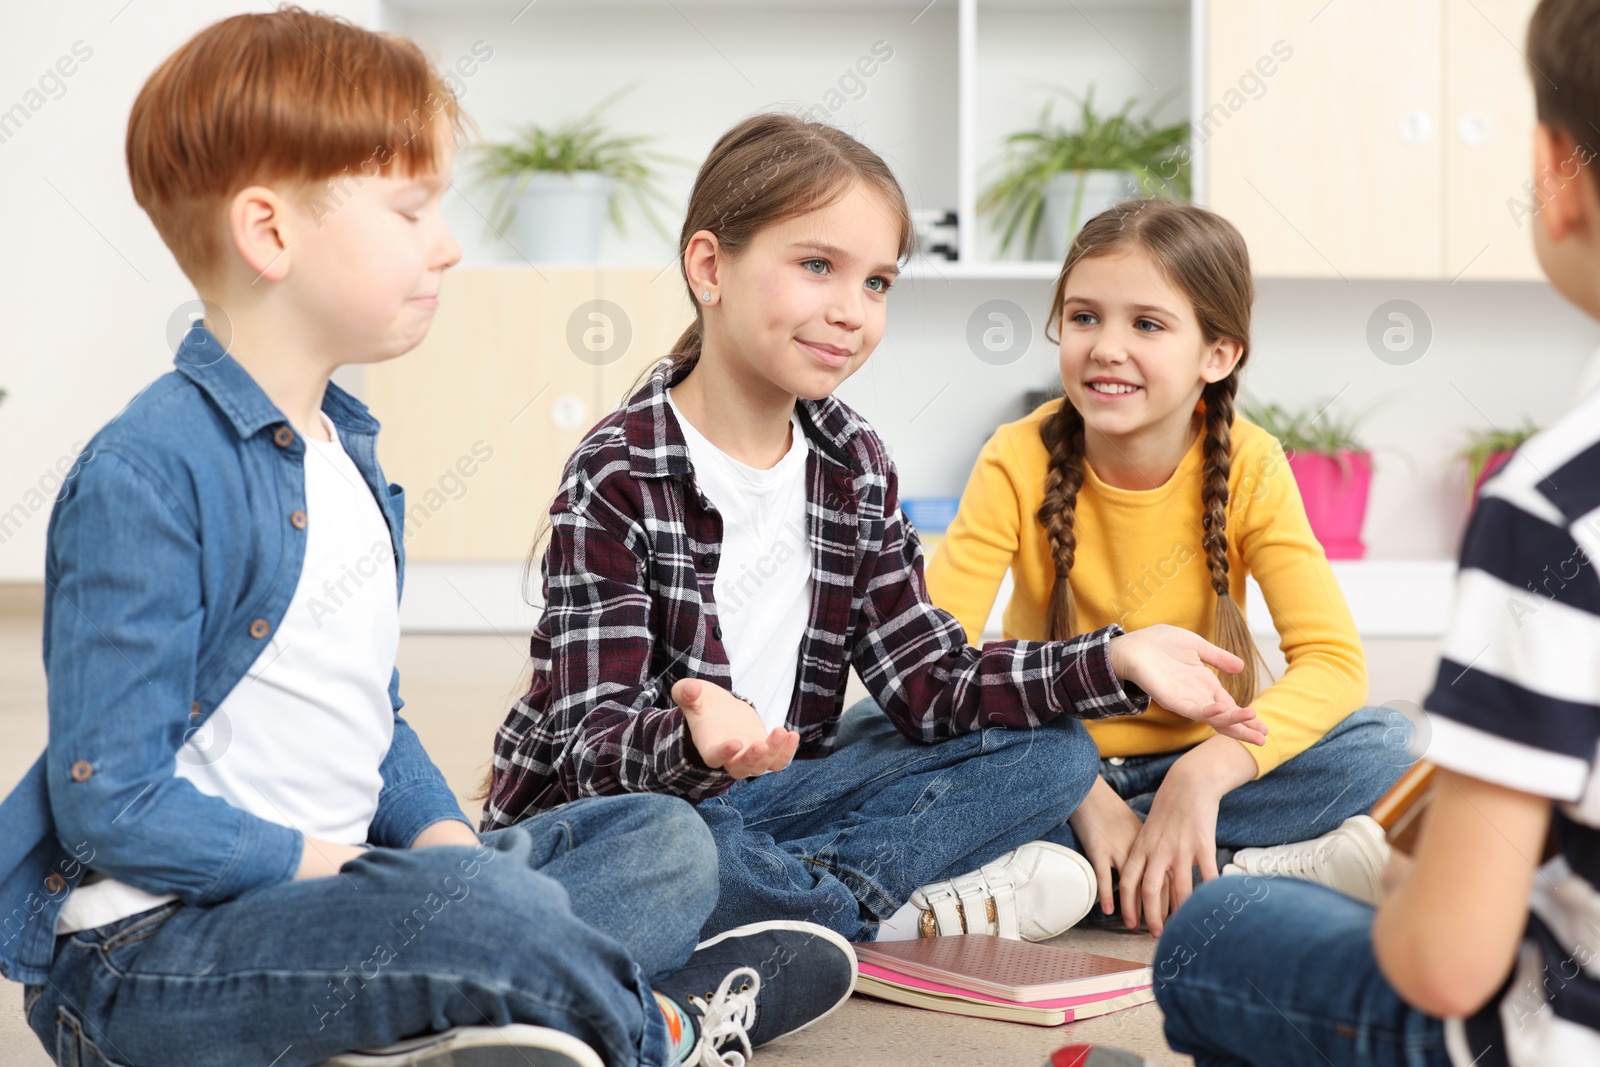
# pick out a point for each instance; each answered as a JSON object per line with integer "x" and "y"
{"x": 655, "y": 307}
{"x": 480, "y": 418}
{"x": 1330, "y": 165}
{"x": 1488, "y": 140}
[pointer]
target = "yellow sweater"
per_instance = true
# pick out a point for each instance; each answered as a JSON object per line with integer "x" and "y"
{"x": 1139, "y": 562}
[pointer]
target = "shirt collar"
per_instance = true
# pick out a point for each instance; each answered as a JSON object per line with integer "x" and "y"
{"x": 205, "y": 361}
{"x": 656, "y": 448}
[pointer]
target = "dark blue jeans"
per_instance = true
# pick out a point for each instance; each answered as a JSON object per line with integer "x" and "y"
{"x": 845, "y": 840}
{"x": 558, "y": 921}
{"x": 1343, "y": 774}
{"x": 1273, "y": 972}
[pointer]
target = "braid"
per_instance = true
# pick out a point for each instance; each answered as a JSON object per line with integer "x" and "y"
{"x": 1063, "y": 437}
{"x": 1230, "y": 631}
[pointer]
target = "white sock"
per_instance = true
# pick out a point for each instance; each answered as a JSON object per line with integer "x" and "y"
{"x": 903, "y": 925}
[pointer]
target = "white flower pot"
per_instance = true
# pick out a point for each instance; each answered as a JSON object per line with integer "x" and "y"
{"x": 561, "y": 217}
{"x": 1074, "y": 197}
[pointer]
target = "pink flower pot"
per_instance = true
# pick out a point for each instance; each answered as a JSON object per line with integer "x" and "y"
{"x": 1492, "y": 467}
{"x": 1334, "y": 489}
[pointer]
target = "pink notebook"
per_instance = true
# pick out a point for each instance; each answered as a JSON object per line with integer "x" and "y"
{"x": 883, "y": 974}
{"x": 1005, "y": 970}
{"x": 885, "y": 984}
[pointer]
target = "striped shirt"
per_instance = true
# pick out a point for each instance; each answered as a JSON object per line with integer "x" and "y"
{"x": 1517, "y": 703}
{"x": 630, "y": 608}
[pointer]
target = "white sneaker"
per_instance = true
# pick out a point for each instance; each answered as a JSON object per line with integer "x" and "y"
{"x": 1030, "y": 894}
{"x": 1350, "y": 859}
{"x": 514, "y": 1045}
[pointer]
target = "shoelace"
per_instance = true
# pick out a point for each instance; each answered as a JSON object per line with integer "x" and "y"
{"x": 1303, "y": 863}
{"x": 728, "y": 1015}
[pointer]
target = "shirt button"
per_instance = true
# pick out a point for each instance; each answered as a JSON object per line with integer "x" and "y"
{"x": 716, "y": 631}
{"x": 284, "y": 437}
{"x": 260, "y": 628}
{"x": 81, "y": 771}
{"x": 297, "y": 519}
{"x": 55, "y": 883}
{"x": 1116, "y": 761}
{"x": 709, "y": 561}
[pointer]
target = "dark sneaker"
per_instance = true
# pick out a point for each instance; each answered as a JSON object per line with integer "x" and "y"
{"x": 756, "y": 983}
{"x": 515, "y": 1045}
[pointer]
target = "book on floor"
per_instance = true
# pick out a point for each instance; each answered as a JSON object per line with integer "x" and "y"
{"x": 889, "y": 985}
{"x": 991, "y": 977}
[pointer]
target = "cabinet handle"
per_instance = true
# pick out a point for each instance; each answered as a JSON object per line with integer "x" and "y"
{"x": 569, "y": 412}
{"x": 1416, "y": 127}
{"x": 1474, "y": 129}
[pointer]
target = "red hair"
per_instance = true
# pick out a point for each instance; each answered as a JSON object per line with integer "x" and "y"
{"x": 287, "y": 96}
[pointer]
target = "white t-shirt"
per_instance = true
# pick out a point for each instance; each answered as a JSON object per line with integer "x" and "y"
{"x": 299, "y": 739}
{"x": 763, "y": 583}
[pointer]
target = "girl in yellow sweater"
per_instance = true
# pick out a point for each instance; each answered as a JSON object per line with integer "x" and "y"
{"x": 1140, "y": 498}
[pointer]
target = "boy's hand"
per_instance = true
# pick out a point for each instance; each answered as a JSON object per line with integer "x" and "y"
{"x": 446, "y": 832}
{"x": 1172, "y": 665}
{"x": 1397, "y": 871}
{"x": 322, "y": 859}
{"x": 728, "y": 733}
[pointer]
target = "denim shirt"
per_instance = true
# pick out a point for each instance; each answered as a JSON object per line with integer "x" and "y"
{"x": 174, "y": 549}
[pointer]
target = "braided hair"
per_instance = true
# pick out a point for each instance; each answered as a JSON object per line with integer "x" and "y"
{"x": 1204, "y": 256}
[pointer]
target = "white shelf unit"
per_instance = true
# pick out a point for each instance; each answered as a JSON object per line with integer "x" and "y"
{"x": 971, "y": 70}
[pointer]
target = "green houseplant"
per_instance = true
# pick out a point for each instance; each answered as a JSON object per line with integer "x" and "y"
{"x": 1487, "y": 451}
{"x": 1056, "y": 176}
{"x": 558, "y": 184}
{"x": 1331, "y": 466}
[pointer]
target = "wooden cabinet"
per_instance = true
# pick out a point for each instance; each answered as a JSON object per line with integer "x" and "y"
{"x": 1488, "y": 142}
{"x": 1384, "y": 143}
{"x": 479, "y": 419}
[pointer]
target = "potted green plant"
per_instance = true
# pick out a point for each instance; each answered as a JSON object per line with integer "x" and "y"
{"x": 1331, "y": 466}
{"x": 1489, "y": 450}
{"x": 1056, "y": 177}
{"x": 557, "y": 185}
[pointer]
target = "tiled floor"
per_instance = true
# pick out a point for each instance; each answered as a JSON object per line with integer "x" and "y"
{"x": 457, "y": 689}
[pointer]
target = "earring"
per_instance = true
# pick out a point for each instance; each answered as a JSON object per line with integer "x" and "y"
{"x": 706, "y": 296}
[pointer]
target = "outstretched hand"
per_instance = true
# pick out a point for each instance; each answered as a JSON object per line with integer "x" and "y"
{"x": 728, "y": 733}
{"x": 1173, "y": 666}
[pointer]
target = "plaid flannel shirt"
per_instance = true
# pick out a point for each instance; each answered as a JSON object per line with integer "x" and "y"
{"x": 629, "y": 610}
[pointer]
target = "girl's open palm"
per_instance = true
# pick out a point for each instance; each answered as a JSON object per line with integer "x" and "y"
{"x": 728, "y": 733}
{"x": 1174, "y": 667}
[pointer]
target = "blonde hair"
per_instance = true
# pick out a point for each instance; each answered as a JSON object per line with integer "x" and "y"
{"x": 1205, "y": 257}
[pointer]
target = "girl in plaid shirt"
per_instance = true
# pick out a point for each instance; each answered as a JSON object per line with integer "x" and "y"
{"x": 729, "y": 543}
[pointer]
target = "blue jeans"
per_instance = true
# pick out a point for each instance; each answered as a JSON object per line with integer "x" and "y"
{"x": 1273, "y": 972}
{"x": 1343, "y": 774}
{"x": 843, "y": 841}
{"x": 558, "y": 921}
